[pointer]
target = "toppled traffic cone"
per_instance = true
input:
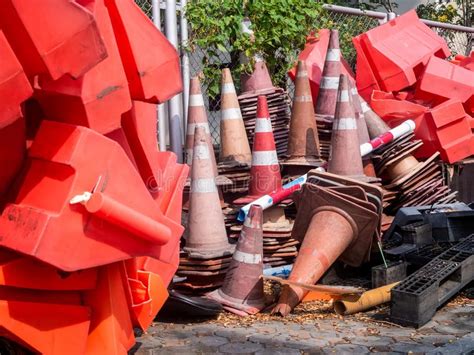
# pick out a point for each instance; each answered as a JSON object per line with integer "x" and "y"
{"x": 98, "y": 98}
{"x": 265, "y": 171}
{"x": 327, "y": 98}
{"x": 331, "y": 224}
{"x": 345, "y": 158}
{"x": 242, "y": 292}
{"x": 303, "y": 144}
{"x": 205, "y": 240}
{"x": 147, "y": 56}
{"x": 235, "y": 149}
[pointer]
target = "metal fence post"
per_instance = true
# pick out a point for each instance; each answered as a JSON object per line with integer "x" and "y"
{"x": 174, "y": 105}
{"x": 184, "y": 63}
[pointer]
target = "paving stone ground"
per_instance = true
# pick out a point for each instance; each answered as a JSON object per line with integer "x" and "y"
{"x": 450, "y": 332}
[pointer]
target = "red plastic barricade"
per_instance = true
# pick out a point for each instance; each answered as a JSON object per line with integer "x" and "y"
{"x": 74, "y": 186}
{"x": 398, "y": 50}
{"x": 151, "y": 62}
{"x": 98, "y": 98}
{"x": 52, "y": 37}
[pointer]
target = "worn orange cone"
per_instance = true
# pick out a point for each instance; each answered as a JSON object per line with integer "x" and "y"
{"x": 265, "y": 174}
{"x": 235, "y": 148}
{"x": 344, "y": 157}
{"x": 242, "y": 292}
{"x": 375, "y": 125}
{"x": 327, "y": 97}
{"x": 303, "y": 143}
{"x": 362, "y": 130}
{"x": 259, "y": 80}
{"x": 207, "y": 237}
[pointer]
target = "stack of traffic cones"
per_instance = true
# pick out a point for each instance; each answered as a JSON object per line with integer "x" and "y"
{"x": 242, "y": 292}
{"x": 303, "y": 145}
{"x": 259, "y": 83}
{"x": 207, "y": 250}
{"x": 322, "y": 212}
{"x": 278, "y": 247}
{"x": 327, "y": 97}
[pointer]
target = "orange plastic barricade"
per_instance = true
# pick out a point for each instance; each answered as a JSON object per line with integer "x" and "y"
{"x": 74, "y": 186}
{"x": 52, "y": 37}
{"x": 98, "y": 98}
{"x": 151, "y": 62}
{"x": 398, "y": 50}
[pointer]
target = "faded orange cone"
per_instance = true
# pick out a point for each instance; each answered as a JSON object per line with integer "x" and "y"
{"x": 362, "y": 130}
{"x": 235, "y": 148}
{"x": 303, "y": 144}
{"x": 327, "y": 97}
{"x": 259, "y": 80}
{"x": 375, "y": 125}
{"x": 207, "y": 237}
{"x": 242, "y": 292}
{"x": 344, "y": 157}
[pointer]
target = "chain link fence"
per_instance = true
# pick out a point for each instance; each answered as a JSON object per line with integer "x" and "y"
{"x": 349, "y": 25}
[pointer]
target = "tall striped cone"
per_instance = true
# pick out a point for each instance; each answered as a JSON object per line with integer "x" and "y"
{"x": 207, "y": 237}
{"x": 344, "y": 157}
{"x": 362, "y": 130}
{"x": 326, "y": 104}
{"x": 303, "y": 144}
{"x": 235, "y": 146}
{"x": 265, "y": 174}
{"x": 242, "y": 292}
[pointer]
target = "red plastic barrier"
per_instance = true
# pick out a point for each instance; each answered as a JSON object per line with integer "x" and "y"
{"x": 45, "y": 328}
{"x": 398, "y": 50}
{"x": 151, "y": 62}
{"x": 445, "y": 80}
{"x": 451, "y": 126}
{"x": 468, "y": 62}
{"x": 365, "y": 78}
{"x": 52, "y": 37}
{"x": 97, "y": 99}
{"x": 65, "y": 161}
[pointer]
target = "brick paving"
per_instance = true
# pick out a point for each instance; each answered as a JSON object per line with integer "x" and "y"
{"x": 451, "y": 331}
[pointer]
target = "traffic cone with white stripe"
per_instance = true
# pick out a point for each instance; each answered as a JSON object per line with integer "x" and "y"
{"x": 362, "y": 130}
{"x": 328, "y": 86}
{"x": 375, "y": 125}
{"x": 207, "y": 237}
{"x": 265, "y": 174}
{"x": 242, "y": 292}
{"x": 235, "y": 148}
{"x": 303, "y": 144}
{"x": 344, "y": 157}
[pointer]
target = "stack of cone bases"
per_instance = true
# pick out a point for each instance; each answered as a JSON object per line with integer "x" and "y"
{"x": 325, "y": 107}
{"x": 242, "y": 291}
{"x": 207, "y": 249}
{"x": 278, "y": 247}
{"x": 344, "y": 157}
{"x": 259, "y": 83}
{"x": 303, "y": 145}
{"x": 197, "y": 117}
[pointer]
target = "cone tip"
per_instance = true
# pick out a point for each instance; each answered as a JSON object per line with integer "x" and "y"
{"x": 262, "y": 107}
{"x": 254, "y": 217}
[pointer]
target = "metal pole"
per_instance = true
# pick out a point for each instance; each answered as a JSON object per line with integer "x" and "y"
{"x": 174, "y": 105}
{"x": 185, "y": 63}
{"x": 162, "y": 133}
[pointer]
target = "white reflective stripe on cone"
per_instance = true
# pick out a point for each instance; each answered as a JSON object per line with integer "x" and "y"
{"x": 228, "y": 88}
{"x": 203, "y": 185}
{"x": 231, "y": 114}
{"x": 333, "y": 55}
{"x": 196, "y": 100}
{"x": 201, "y": 152}
{"x": 343, "y": 124}
{"x": 247, "y": 258}
{"x": 301, "y": 73}
{"x": 264, "y": 158}
{"x": 329, "y": 82}
{"x": 343, "y": 96}
{"x": 303, "y": 98}
{"x": 192, "y": 127}
{"x": 263, "y": 125}
{"x": 365, "y": 106}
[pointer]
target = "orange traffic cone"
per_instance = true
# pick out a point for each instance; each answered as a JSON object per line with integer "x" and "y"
{"x": 375, "y": 125}
{"x": 362, "y": 130}
{"x": 303, "y": 144}
{"x": 327, "y": 97}
{"x": 258, "y": 81}
{"x": 235, "y": 148}
{"x": 344, "y": 157}
{"x": 242, "y": 292}
{"x": 207, "y": 237}
{"x": 265, "y": 174}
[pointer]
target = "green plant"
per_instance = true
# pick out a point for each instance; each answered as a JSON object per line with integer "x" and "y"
{"x": 437, "y": 12}
{"x": 280, "y": 28}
